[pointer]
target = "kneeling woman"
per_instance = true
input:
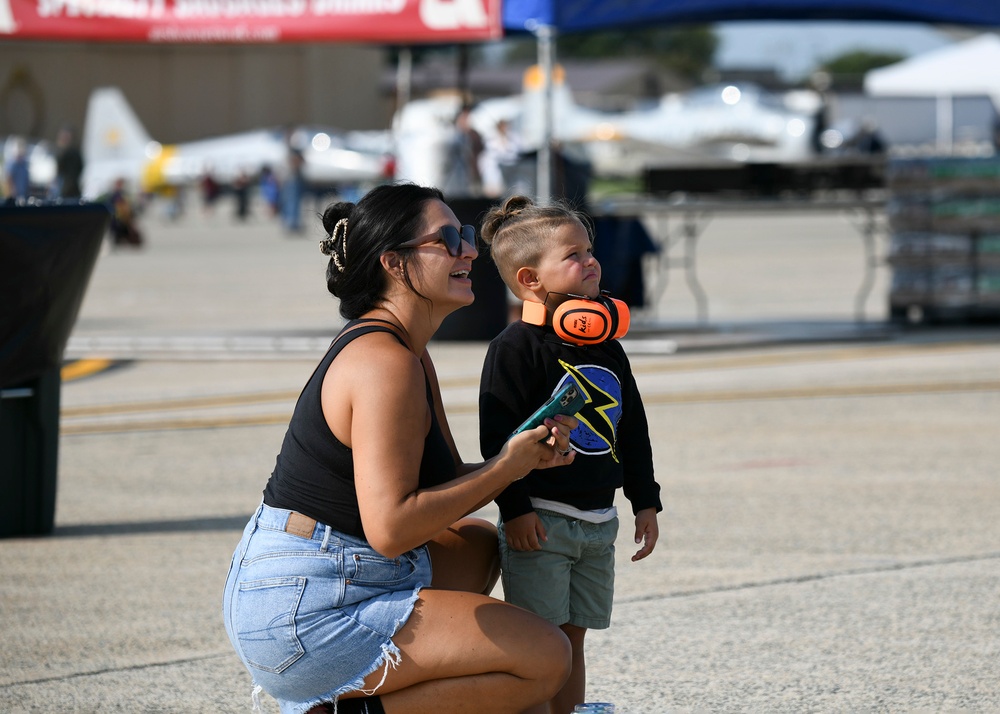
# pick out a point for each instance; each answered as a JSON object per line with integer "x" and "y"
{"x": 360, "y": 581}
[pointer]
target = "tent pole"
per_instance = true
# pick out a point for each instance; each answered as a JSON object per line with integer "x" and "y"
{"x": 945, "y": 123}
{"x": 546, "y": 50}
{"x": 404, "y": 77}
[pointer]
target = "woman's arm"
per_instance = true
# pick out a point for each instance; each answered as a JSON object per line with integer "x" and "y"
{"x": 462, "y": 467}
{"x": 375, "y": 392}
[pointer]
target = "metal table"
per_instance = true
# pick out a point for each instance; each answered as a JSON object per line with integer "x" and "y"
{"x": 677, "y": 223}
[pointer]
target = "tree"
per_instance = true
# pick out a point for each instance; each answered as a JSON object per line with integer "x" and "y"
{"x": 849, "y": 69}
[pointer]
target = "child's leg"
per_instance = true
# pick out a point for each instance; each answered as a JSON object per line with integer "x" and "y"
{"x": 575, "y": 690}
{"x": 591, "y": 594}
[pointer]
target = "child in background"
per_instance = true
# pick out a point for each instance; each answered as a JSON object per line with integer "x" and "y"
{"x": 558, "y": 526}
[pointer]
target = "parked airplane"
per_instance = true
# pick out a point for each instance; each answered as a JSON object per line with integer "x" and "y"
{"x": 117, "y": 146}
{"x": 741, "y": 123}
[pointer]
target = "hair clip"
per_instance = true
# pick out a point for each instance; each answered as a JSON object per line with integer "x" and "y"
{"x": 339, "y": 227}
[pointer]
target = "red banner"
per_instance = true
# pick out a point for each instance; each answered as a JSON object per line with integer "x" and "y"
{"x": 252, "y": 21}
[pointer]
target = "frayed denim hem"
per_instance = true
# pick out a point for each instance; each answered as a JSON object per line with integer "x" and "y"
{"x": 390, "y": 658}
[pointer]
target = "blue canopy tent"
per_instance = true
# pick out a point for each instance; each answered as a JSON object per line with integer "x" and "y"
{"x": 547, "y": 18}
{"x": 584, "y": 15}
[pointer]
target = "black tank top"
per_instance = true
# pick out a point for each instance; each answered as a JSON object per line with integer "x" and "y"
{"x": 314, "y": 472}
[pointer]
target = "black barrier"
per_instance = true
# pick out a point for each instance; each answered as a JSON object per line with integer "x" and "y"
{"x": 769, "y": 179}
{"x": 47, "y": 254}
{"x": 620, "y": 242}
{"x": 485, "y": 318}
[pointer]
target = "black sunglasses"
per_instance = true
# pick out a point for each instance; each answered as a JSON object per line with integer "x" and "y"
{"x": 449, "y": 235}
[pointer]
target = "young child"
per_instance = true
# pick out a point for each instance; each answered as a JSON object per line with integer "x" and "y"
{"x": 558, "y": 526}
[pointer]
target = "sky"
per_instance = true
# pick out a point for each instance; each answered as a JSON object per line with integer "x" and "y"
{"x": 795, "y": 48}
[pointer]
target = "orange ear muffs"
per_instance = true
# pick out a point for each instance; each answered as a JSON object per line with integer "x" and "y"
{"x": 580, "y": 320}
{"x": 534, "y": 313}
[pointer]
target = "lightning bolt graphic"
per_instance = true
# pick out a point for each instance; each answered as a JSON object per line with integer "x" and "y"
{"x": 600, "y": 403}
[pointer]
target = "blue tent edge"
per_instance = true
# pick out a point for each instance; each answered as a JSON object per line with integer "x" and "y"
{"x": 568, "y": 16}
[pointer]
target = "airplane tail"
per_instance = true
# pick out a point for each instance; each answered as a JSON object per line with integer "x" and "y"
{"x": 112, "y": 130}
{"x": 115, "y": 143}
{"x": 571, "y": 122}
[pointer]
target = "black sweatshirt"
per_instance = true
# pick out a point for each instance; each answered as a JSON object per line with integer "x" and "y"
{"x": 524, "y": 366}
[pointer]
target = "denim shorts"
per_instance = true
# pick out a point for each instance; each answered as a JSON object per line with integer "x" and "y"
{"x": 571, "y": 579}
{"x": 312, "y": 617}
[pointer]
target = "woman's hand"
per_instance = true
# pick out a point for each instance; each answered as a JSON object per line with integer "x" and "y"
{"x": 560, "y": 427}
{"x": 543, "y": 447}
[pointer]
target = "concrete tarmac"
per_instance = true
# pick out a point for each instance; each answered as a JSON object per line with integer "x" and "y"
{"x": 831, "y": 534}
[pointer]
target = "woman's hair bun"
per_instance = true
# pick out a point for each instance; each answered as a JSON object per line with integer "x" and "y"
{"x": 333, "y": 213}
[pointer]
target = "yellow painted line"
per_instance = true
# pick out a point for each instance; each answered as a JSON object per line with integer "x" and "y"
{"x": 870, "y": 390}
{"x": 768, "y": 358}
{"x": 468, "y": 408}
{"x": 690, "y": 362}
{"x": 81, "y": 368}
{"x": 641, "y": 364}
{"x": 174, "y": 424}
{"x": 223, "y": 400}
{"x": 858, "y": 390}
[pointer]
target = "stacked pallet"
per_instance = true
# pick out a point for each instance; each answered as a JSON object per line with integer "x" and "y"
{"x": 944, "y": 221}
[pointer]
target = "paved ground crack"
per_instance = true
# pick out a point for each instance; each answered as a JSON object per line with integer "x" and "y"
{"x": 812, "y": 577}
{"x": 111, "y": 670}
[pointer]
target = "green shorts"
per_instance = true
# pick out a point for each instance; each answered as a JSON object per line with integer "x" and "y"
{"x": 571, "y": 579}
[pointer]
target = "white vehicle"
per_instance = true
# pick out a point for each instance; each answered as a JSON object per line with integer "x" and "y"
{"x": 117, "y": 146}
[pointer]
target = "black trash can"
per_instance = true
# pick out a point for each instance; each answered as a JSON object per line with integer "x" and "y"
{"x": 47, "y": 254}
{"x": 29, "y": 444}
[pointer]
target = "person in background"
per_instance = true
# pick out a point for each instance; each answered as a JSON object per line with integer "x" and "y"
{"x": 124, "y": 228}
{"x": 210, "y": 191}
{"x": 69, "y": 165}
{"x": 18, "y": 174}
{"x": 869, "y": 140}
{"x": 558, "y": 527}
{"x": 241, "y": 194}
{"x": 463, "y": 175}
{"x": 361, "y": 584}
{"x": 292, "y": 190}
{"x": 503, "y": 150}
{"x": 270, "y": 190}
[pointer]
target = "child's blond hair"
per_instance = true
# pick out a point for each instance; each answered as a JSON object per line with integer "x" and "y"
{"x": 517, "y": 232}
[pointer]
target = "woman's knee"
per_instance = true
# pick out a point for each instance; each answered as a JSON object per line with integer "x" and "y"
{"x": 476, "y": 532}
{"x": 552, "y": 655}
{"x": 466, "y": 557}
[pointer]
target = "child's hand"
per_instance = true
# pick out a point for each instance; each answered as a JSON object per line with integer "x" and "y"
{"x": 525, "y": 532}
{"x": 646, "y": 532}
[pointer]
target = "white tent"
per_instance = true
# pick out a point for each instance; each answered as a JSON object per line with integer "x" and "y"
{"x": 962, "y": 69}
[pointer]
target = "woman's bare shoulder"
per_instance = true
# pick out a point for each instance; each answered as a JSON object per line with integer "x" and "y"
{"x": 378, "y": 359}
